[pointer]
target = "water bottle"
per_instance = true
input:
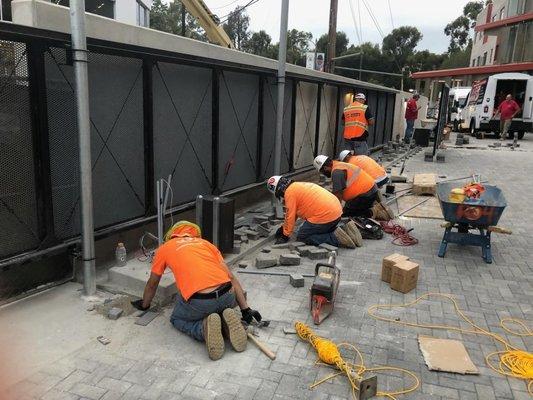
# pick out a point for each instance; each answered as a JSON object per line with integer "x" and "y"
{"x": 120, "y": 255}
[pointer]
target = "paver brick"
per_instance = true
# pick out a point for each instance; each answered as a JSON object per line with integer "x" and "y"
{"x": 289, "y": 259}
{"x": 266, "y": 261}
{"x": 318, "y": 254}
{"x": 296, "y": 280}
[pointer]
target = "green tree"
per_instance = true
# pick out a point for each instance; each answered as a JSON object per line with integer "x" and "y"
{"x": 400, "y": 44}
{"x": 237, "y": 27}
{"x": 458, "y": 31}
{"x": 297, "y": 46}
{"x": 341, "y": 43}
{"x": 260, "y": 43}
{"x": 472, "y": 9}
{"x": 167, "y": 18}
{"x": 457, "y": 58}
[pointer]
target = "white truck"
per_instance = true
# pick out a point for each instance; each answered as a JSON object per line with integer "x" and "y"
{"x": 458, "y": 98}
{"x": 488, "y": 93}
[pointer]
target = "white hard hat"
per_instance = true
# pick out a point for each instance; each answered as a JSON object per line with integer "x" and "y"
{"x": 272, "y": 183}
{"x": 319, "y": 161}
{"x": 343, "y": 154}
{"x": 360, "y": 96}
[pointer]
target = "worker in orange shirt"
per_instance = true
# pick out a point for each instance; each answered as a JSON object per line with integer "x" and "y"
{"x": 320, "y": 209}
{"x": 357, "y": 117}
{"x": 207, "y": 290}
{"x": 367, "y": 164}
{"x": 351, "y": 184}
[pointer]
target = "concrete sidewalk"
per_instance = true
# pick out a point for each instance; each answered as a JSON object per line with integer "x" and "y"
{"x": 50, "y": 339}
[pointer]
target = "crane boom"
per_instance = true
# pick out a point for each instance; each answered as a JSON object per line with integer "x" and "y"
{"x": 209, "y": 21}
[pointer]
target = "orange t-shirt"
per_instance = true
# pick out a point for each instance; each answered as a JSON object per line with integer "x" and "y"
{"x": 368, "y": 165}
{"x": 195, "y": 263}
{"x": 311, "y": 202}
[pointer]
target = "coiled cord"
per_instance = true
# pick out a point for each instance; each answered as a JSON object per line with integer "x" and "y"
{"x": 401, "y": 236}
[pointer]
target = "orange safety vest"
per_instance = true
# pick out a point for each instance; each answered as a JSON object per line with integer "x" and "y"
{"x": 368, "y": 165}
{"x": 355, "y": 122}
{"x": 358, "y": 182}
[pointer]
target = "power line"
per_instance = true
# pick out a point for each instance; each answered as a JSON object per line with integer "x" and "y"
{"x": 390, "y": 12}
{"x": 357, "y": 32}
{"x": 360, "y": 24}
{"x": 225, "y": 18}
{"x": 373, "y": 17}
{"x": 224, "y": 6}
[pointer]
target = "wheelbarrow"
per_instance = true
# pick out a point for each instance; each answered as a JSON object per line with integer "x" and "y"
{"x": 480, "y": 214}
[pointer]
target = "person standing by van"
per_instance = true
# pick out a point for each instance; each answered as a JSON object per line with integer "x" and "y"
{"x": 411, "y": 115}
{"x": 507, "y": 110}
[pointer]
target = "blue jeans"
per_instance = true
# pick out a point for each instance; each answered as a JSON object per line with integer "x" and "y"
{"x": 409, "y": 129}
{"x": 188, "y": 316}
{"x": 316, "y": 234}
{"x": 359, "y": 148}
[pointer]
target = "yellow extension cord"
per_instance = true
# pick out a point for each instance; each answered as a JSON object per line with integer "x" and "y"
{"x": 513, "y": 362}
{"x": 328, "y": 352}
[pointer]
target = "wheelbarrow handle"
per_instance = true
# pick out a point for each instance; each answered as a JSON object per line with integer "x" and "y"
{"x": 317, "y": 267}
{"x": 499, "y": 229}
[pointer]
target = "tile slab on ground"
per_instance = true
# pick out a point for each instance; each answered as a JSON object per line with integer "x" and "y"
{"x": 55, "y": 354}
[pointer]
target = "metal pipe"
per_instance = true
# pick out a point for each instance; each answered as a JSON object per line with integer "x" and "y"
{"x": 216, "y": 220}
{"x": 158, "y": 185}
{"x": 79, "y": 56}
{"x": 368, "y": 70}
{"x": 282, "y": 57}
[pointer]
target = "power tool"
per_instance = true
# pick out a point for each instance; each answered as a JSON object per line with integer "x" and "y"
{"x": 324, "y": 289}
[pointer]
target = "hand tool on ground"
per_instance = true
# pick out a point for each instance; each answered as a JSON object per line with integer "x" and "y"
{"x": 480, "y": 214}
{"x": 415, "y": 206}
{"x": 273, "y": 273}
{"x": 324, "y": 289}
{"x": 251, "y": 332}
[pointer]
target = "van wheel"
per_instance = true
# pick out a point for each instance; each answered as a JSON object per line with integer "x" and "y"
{"x": 473, "y": 129}
{"x": 521, "y": 135}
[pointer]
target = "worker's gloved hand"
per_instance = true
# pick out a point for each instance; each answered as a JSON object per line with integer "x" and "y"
{"x": 248, "y": 314}
{"x": 280, "y": 236}
{"x": 138, "y": 304}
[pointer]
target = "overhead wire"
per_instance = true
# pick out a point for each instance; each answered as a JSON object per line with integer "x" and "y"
{"x": 513, "y": 362}
{"x": 356, "y": 28}
{"x": 390, "y": 13}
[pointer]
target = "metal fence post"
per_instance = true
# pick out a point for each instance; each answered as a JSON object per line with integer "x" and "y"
{"x": 259, "y": 146}
{"x": 215, "y": 98}
{"x": 148, "y": 117}
{"x": 79, "y": 51}
{"x": 317, "y": 120}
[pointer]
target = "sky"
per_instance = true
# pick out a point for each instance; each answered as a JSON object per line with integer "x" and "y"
{"x": 429, "y": 16}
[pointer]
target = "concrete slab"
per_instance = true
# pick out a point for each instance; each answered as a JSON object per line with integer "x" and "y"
{"x": 132, "y": 278}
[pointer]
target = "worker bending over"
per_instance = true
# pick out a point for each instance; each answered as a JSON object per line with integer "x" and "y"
{"x": 367, "y": 164}
{"x": 351, "y": 184}
{"x": 320, "y": 209}
{"x": 206, "y": 288}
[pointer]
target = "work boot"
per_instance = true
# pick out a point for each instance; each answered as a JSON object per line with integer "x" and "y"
{"x": 213, "y": 336}
{"x": 351, "y": 229}
{"x": 233, "y": 330}
{"x": 382, "y": 212}
{"x": 344, "y": 239}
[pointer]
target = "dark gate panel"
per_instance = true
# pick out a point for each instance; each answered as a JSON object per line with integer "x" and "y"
{"x": 380, "y": 116}
{"x": 270, "y": 96}
{"x": 18, "y": 207}
{"x": 182, "y": 128}
{"x": 305, "y": 124}
{"x": 372, "y": 102}
{"x": 238, "y": 104}
{"x": 117, "y": 144}
{"x": 389, "y": 120}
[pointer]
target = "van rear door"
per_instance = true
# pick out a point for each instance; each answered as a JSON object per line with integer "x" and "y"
{"x": 527, "y": 113}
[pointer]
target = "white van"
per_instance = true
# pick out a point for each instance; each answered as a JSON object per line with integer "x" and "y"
{"x": 458, "y": 98}
{"x": 488, "y": 93}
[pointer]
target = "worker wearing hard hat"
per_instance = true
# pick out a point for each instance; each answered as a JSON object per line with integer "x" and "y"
{"x": 357, "y": 117}
{"x": 351, "y": 184}
{"x": 207, "y": 290}
{"x": 320, "y": 209}
{"x": 367, "y": 164}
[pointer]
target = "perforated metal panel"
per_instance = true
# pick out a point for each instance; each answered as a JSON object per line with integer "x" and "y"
{"x": 388, "y": 134}
{"x": 372, "y": 102}
{"x": 238, "y": 129}
{"x": 117, "y": 144}
{"x": 182, "y": 128}
{"x": 380, "y": 117}
{"x": 18, "y": 207}
{"x": 328, "y": 108}
{"x": 270, "y": 98}
{"x": 305, "y": 124}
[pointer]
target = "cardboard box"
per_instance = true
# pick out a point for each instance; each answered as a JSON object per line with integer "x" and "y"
{"x": 388, "y": 263}
{"x": 404, "y": 276}
{"x": 425, "y": 184}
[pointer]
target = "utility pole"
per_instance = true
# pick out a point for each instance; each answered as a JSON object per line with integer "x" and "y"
{"x": 332, "y": 35}
{"x": 79, "y": 57}
{"x": 282, "y": 58}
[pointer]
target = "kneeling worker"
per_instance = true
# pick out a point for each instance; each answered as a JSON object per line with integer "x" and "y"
{"x": 320, "y": 209}
{"x": 206, "y": 288}
{"x": 351, "y": 184}
{"x": 367, "y": 164}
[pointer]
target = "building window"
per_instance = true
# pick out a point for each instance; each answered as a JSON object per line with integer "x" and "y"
{"x": 473, "y": 62}
{"x": 478, "y": 61}
{"x": 143, "y": 15}
{"x": 491, "y": 54}
{"x": 502, "y": 12}
{"x": 511, "y": 44}
{"x": 485, "y": 58}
